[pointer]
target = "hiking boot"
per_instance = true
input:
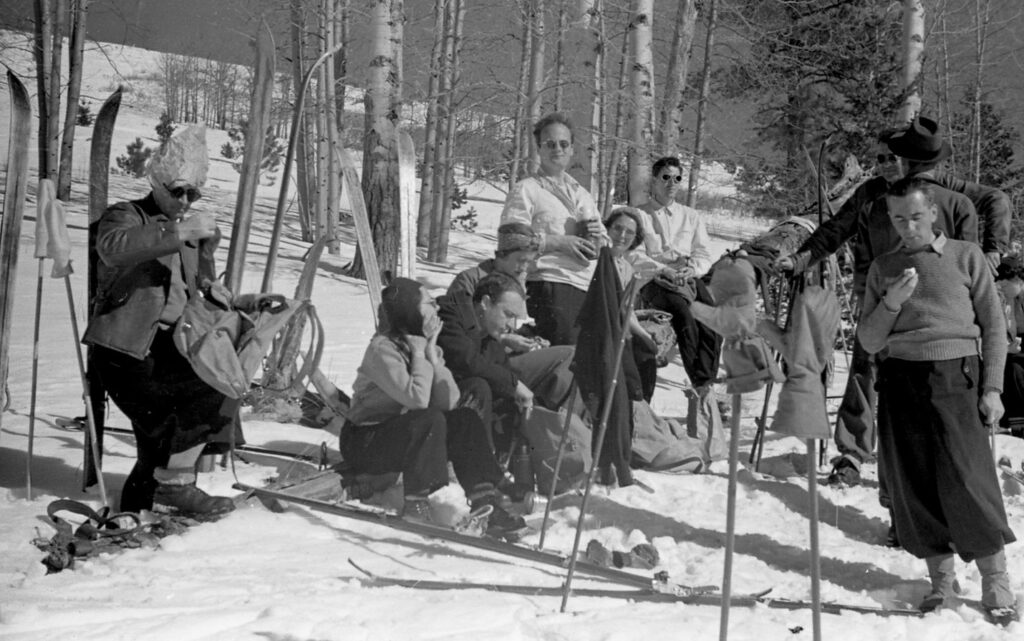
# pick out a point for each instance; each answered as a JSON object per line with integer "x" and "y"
{"x": 189, "y": 499}
{"x": 500, "y": 524}
{"x": 845, "y": 472}
{"x": 417, "y": 510}
{"x": 1002, "y": 616}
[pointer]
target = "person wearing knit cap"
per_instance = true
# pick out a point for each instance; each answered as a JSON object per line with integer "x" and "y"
{"x": 518, "y": 248}
{"x": 408, "y": 415}
{"x": 932, "y": 306}
{"x": 140, "y": 296}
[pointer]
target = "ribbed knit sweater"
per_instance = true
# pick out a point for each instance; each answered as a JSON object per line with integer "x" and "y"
{"x": 954, "y": 305}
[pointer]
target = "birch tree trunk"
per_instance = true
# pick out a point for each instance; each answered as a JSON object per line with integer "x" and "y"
{"x": 536, "y": 79}
{"x": 43, "y": 53}
{"x": 380, "y": 143}
{"x": 444, "y": 224}
{"x": 641, "y": 131}
{"x": 670, "y": 115}
{"x": 76, "y": 49}
{"x": 519, "y": 124}
{"x": 982, "y": 15}
{"x": 424, "y": 219}
{"x": 614, "y": 156}
{"x": 60, "y": 9}
{"x": 560, "y": 54}
{"x": 441, "y": 190}
{"x": 913, "y": 57}
{"x": 702, "y": 106}
{"x": 302, "y": 179}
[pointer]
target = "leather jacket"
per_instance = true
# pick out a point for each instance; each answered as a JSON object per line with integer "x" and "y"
{"x": 133, "y": 256}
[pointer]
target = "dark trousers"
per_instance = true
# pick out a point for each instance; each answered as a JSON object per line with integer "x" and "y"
{"x": 171, "y": 410}
{"x": 943, "y": 486}
{"x": 699, "y": 347}
{"x": 554, "y": 308}
{"x": 1013, "y": 393}
{"x": 855, "y": 421}
{"x": 419, "y": 444}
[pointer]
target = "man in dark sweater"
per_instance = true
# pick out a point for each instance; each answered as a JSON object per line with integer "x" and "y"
{"x": 918, "y": 151}
{"x": 472, "y": 342}
{"x": 927, "y": 304}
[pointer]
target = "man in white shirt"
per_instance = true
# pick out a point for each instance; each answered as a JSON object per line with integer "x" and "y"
{"x": 676, "y": 242}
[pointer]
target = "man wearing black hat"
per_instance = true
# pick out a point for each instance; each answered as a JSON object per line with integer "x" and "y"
{"x": 915, "y": 150}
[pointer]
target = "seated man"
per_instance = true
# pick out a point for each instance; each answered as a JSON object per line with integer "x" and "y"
{"x": 471, "y": 340}
{"x": 517, "y": 250}
{"x": 140, "y": 296}
{"x": 676, "y": 243}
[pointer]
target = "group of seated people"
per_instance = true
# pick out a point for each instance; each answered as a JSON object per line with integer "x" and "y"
{"x": 448, "y": 379}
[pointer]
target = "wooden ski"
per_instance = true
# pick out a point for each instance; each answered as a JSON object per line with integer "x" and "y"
{"x": 13, "y": 212}
{"x": 364, "y": 234}
{"x": 409, "y": 205}
{"x": 99, "y": 178}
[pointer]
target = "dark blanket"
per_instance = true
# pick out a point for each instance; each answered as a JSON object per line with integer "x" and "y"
{"x": 601, "y": 328}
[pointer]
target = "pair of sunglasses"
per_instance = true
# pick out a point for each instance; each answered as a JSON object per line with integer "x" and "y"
{"x": 191, "y": 193}
{"x": 552, "y": 145}
{"x": 668, "y": 177}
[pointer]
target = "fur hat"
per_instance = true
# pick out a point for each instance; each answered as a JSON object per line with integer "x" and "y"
{"x": 182, "y": 158}
{"x": 919, "y": 142}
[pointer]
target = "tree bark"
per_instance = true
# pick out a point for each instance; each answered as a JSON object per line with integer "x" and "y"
{"x": 702, "y": 106}
{"x": 913, "y": 56}
{"x": 982, "y": 15}
{"x": 641, "y": 134}
{"x": 424, "y": 219}
{"x": 536, "y": 85}
{"x": 331, "y": 124}
{"x": 670, "y": 116}
{"x": 302, "y": 186}
{"x": 441, "y": 192}
{"x": 380, "y": 144}
{"x": 519, "y": 124}
{"x": 76, "y": 48}
{"x": 620, "y": 117}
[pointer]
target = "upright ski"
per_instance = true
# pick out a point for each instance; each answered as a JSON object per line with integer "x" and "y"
{"x": 99, "y": 177}
{"x": 13, "y": 211}
{"x": 409, "y": 206}
{"x": 364, "y": 234}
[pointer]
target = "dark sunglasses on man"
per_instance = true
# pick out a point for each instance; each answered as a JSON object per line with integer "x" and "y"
{"x": 192, "y": 193}
{"x": 670, "y": 177}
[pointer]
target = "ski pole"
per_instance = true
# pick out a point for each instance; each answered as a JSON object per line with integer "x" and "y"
{"x": 730, "y": 515}
{"x": 570, "y": 406}
{"x": 35, "y": 381}
{"x": 606, "y": 409}
{"x": 90, "y": 421}
{"x": 812, "y": 490}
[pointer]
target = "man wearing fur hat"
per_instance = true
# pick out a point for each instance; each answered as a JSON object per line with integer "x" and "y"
{"x": 141, "y": 293}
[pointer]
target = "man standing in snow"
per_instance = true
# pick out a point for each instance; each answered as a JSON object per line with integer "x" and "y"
{"x": 932, "y": 305}
{"x": 918, "y": 151}
{"x": 141, "y": 294}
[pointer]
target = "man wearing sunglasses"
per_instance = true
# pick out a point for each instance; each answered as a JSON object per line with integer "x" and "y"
{"x": 140, "y": 296}
{"x": 917, "y": 150}
{"x": 676, "y": 244}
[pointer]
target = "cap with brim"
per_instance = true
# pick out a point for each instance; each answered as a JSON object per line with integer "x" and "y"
{"x": 919, "y": 142}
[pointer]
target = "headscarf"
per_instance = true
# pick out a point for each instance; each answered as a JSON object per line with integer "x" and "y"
{"x": 182, "y": 158}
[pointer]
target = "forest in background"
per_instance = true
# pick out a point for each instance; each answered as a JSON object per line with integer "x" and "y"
{"x": 782, "y": 77}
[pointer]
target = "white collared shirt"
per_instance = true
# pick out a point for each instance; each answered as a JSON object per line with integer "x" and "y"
{"x": 674, "y": 231}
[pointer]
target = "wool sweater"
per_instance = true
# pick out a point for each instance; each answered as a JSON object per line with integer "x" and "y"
{"x": 954, "y": 305}
{"x": 530, "y": 202}
{"x": 395, "y": 377}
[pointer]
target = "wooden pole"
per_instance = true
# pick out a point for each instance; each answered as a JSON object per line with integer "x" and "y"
{"x": 35, "y": 381}
{"x": 627, "y": 311}
{"x": 812, "y": 490}
{"x": 570, "y": 406}
{"x": 730, "y": 516}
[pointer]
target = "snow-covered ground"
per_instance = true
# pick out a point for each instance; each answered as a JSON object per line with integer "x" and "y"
{"x": 285, "y": 577}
